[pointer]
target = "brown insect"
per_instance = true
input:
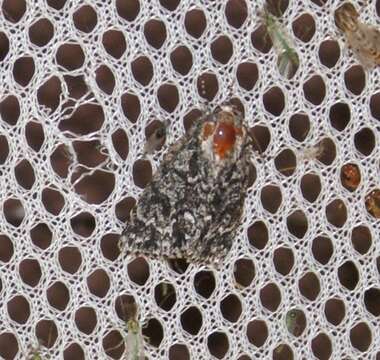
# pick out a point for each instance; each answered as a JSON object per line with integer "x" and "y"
{"x": 350, "y": 176}
{"x": 362, "y": 38}
{"x": 372, "y": 203}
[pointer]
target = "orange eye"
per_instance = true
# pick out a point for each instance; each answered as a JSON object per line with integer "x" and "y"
{"x": 224, "y": 138}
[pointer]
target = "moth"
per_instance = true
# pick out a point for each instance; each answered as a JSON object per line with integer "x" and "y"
{"x": 194, "y": 203}
{"x": 362, "y": 38}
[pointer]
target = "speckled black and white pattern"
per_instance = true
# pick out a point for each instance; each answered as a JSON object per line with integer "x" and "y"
{"x": 193, "y": 205}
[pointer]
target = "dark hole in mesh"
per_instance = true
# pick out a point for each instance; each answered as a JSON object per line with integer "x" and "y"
{"x": 105, "y": 79}
{"x": 282, "y": 352}
{"x": 49, "y": 93}
{"x": 222, "y": 49}
{"x": 60, "y": 160}
{"x": 14, "y": 212}
{"x": 195, "y": 23}
{"x": 309, "y": 286}
{"x": 155, "y": 33}
{"x": 361, "y": 239}
{"x": 260, "y": 138}
{"x": 58, "y": 295}
{"x": 372, "y": 301}
{"x": 304, "y": 27}
{"x": 98, "y": 283}
{"x": 13, "y": 10}
{"x": 321, "y": 347}
{"x": 204, "y": 283}
{"x": 52, "y": 200}
{"x": 18, "y": 309}
{"x": 297, "y": 224}
{"x": 8, "y": 346}
{"x": 30, "y": 272}
{"x": 207, "y": 85}
{"x": 271, "y": 198}
{"x": 178, "y": 265}
{"x": 283, "y": 260}
{"x": 326, "y": 151}
{"x": 70, "y": 259}
{"x": 142, "y": 173}
{"x": 365, "y": 141}
{"x": 179, "y": 352}
{"x": 154, "y": 332}
{"x": 361, "y": 336}
{"x": 130, "y": 104}
{"x": 85, "y": 319}
{"x": 286, "y": 162}
{"x": 191, "y": 320}
{"x": 354, "y": 79}
{"x": 231, "y": 308}
{"x": 236, "y": 13}
{"x": 335, "y": 311}
{"x": 70, "y": 56}
{"x": 6, "y": 248}
{"x": 165, "y": 296}
{"x": 4, "y": 45}
{"x": 123, "y": 208}
{"x": 274, "y": 101}
{"x": 329, "y": 53}
{"x": 374, "y": 105}
{"x": 41, "y": 236}
{"x": 311, "y": 187}
{"x": 276, "y": 7}
{"x": 120, "y": 143}
{"x": 155, "y": 135}
{"x": 41, "y": 32}
{"x": 236, "y": 102}
{"x": 181, "y": 59}
{"x": 34, "y": 134}
{"x": 252, "y": 175}
{"x": 244, "y": 272}
{"x": 348, "y": 275}
{"x": 378, "y": 264}
{"x": 10, "y": 110}
{"x": 319, "y": 2}
{"x": 109, "y": 244}
{"x": 4, "y": 149}
{"x": 257, "y": 332}
{"x": 114, "y": 43}
{"x": 218, "y": 344}
{"x": 340, "y": 115}
{"x": 73, "y": 352}
{"x": 76, "y": 86}
{"x": 128, "y": 9}
{"x": 83, "y": 224}
{"x": 190, "y": 119}
{"x": 56, "y": 4}
{"x": 270, "y": 296}
{"x": 336, "y": 213}
{"x": 258, "y": 235}
{"x": 24, "y": 174}
{"x": 168, "y": 97}
{"x": 295, "y": 322}
{"x": 113, "y": 344}
{"x": 122, "y": 303}
{"x": 314, "y": 90}
{"x": 247, "y": 75}
{"x": 170, "y": 5}
{"x": 299, "y": 126}
{"x": 142, "y": 70}
{"x": 89, "y": 153}
{"x": 261, "y": 40}
{"x": 85, "y": 18}
{"x": 138, "y": 271}
{"x": 244, "y": 357}
{"x": 322, "y": 249}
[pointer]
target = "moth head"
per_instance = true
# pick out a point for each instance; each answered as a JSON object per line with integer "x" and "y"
{"x": 346, "y": 17}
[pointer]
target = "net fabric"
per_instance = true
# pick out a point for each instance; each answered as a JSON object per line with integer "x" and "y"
{"x": 81, "y": 83}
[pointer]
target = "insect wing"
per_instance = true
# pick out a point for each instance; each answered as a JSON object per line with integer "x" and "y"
{"x": 134, "y": 342}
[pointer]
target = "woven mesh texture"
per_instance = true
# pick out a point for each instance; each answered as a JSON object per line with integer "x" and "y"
{"x": 82, "y": 86}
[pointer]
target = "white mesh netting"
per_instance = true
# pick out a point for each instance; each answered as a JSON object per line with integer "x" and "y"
{"x": 79, "y": 84}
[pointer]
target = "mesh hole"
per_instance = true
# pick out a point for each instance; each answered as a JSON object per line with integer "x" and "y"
{"x": 372, "y": 301}
{"x": 348, "y": 275}
{"x": 231, "y": 308}
{"x": 49, "y": 93}
{"x": 10, "y": 110}
{"x": 270, "y": 297}
{"x": 350, "y": 176}
{"x": 168, "y": 97}
{"x": 61, "y": 160}
{"x": 41, "y": 236}
{"x": 178, "y": 265}
{"x": 283, "y": 260}
{"x": 340, "y": 115}
{"x": 142, "y": 70}
{"x": 138, "y": 271}
{"x": 190, "y": 118}
{"x": 336, "y": 213}
{"x": 30, "y": 272}
{"x": 261, "y": 40}
{"x": 286, "y": 162}
{"x": 257, "y": 332}
{"x": 181, "y": 59}
{"x": 195, "y": 23}
{"x": 374, "y": 105}
{"x": 83, "y": 224}
{"x": 6, "y": 249}
{"x": 89, "y": 153}
{"x": 179, "y": 352}
{"x": 191, "y": 320}
{"x": 170, "y": 5}
{"x": 309, "y": 286}
{"x": 218, "y": 344}
{"x": 204, "y": 283}
{"x": 4, "y": 45}
{"x": 14, "y": 10}
{"x": 277, "y": 7}
{"x": 85, "y": 18}
{"x": 155, "y": 135}
{"x": 329, "y": 53}
{"x": 321, "y": 347}
{"x": 236, "y": 13}
{"x": 56, "y": 4}
{"x": 154, "y": 332}
{"x": 70, "y": 259}
{"x": 335, "y": 311}
{"x": 123, "y": 208}
{"x": 222, "y": 49}
{"x": 105, "y": 79}
{"x": 314, "y": 90}
{"x": 24, "y": 174}
{"x": 4, "y": 149}
{"x": 73, "y": 352}
{"x": 319, "y": 2}
{"x": 109, "y": 245}
{"x": 244, "y": 272}
{"x": 322, "y": 249}
{"x": 113, "y": 344}
{"x": 295, "y": 322}
{"x": 85, "y": 319}
{"x": 165, "y": 296}
{"x": 8, "y": 346}
{"x": 326, "y": 152}
{"x": 297, "y": 224}
{"x": 365, "y": 141}
{"x": 299, "y": 126}
{"x": 120, "y": 143}
{"x": 76, "y": 86}
{"x": 70, "y": 56}
{"x": 361, "y": 239}
{"x": 304, "y": 27}
{"x": 98, "y": 283}
{"x": 261, "y": 138}
{"x": 155, "y": 33}
{"x": 58, "y": 295}
{"x": 274, "y": 101}
{"x": 372, "y": 203}
{"x": 53, "y": 201}
{"x": 14, "y": 212}
{"x": 130, "y": 104}
{"x": 247, "y": 74}
{"x": 354, "y": 79}
{"x": 114, "y": 43}
{"x": 282, "y": 352}
{"x": 271, "y": 198}
{"x": 142, "y": 173}
{"x": 207, "y": 85}
{"x": 23, "y": 70}
{"x": 311, "y": 187}
{"x": 18, "y": 309}
{"x": 258, "y": 235}
{"x": 121, "y": 307}
{"x": 361, "y": 336}
{"x": 128, "y": 9}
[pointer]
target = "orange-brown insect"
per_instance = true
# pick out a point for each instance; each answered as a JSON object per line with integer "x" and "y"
{"x": 372, "y": 203}
{"x": 362, "y": 38}
{"x": 350, "y": 176}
